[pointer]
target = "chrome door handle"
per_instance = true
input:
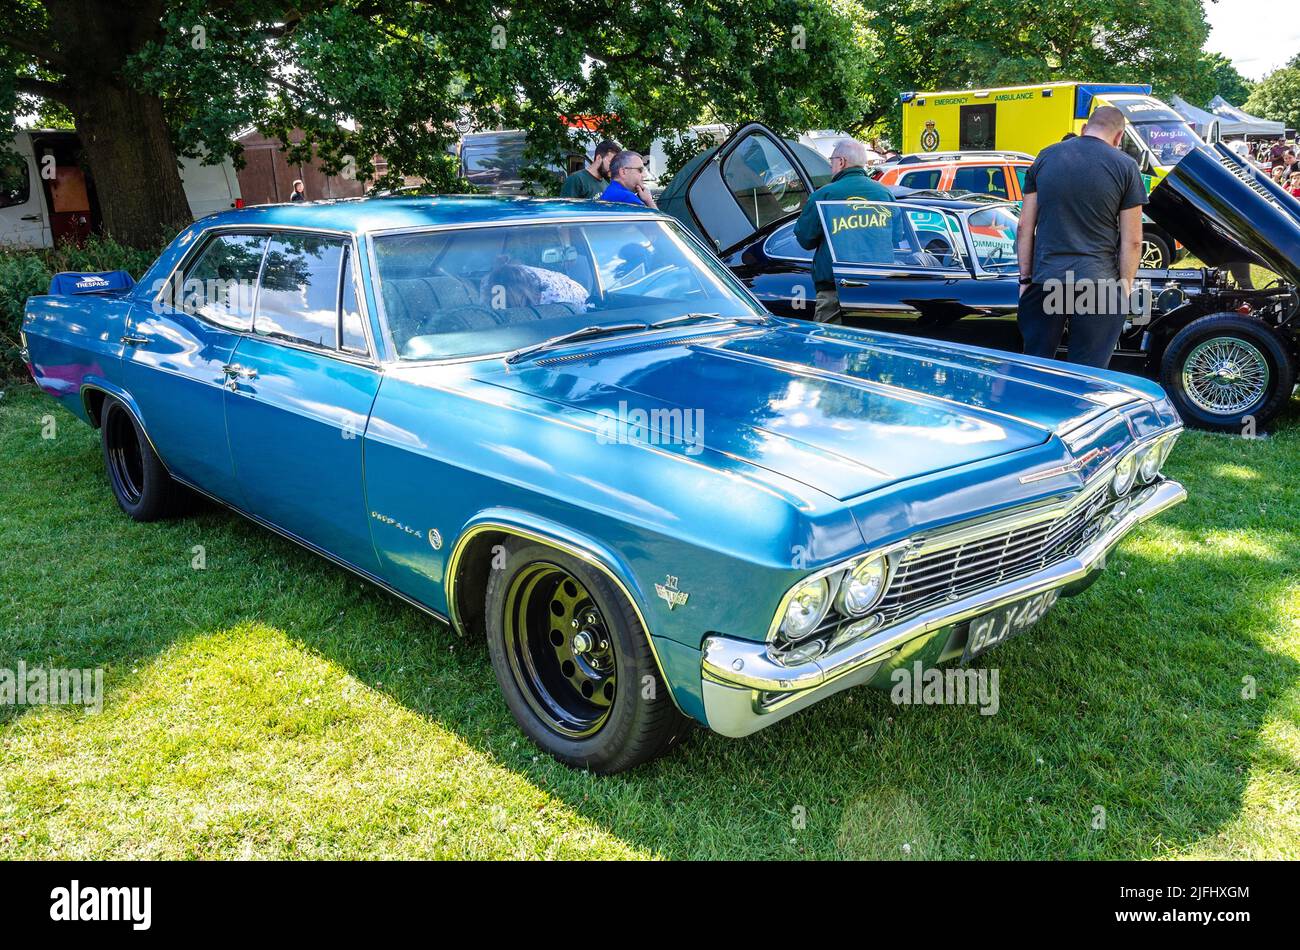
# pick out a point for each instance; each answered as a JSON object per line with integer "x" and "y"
{"x": 845, "y": 282}
{"x": 235, "y": 371}
{"x": 130, "y": 340}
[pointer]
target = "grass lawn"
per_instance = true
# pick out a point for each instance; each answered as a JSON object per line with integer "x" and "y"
{"x": 274, "y": 706}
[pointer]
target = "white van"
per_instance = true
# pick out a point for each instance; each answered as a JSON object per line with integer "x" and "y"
{"x": 46, "y": 196}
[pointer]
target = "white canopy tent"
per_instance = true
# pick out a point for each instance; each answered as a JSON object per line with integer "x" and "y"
{"x": 1234, "y": 122}
{"x": 1206, "y": 124}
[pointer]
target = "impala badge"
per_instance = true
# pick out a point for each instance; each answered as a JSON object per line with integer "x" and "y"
{"x": 670, "y": 594}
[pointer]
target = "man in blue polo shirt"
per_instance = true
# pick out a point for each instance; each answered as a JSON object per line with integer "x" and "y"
{"x": 627, "y": 181}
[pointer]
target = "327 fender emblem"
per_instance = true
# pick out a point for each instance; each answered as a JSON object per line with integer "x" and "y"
{"x": 670, "y": 594}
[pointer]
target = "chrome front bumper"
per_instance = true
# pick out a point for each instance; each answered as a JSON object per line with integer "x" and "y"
{"x": 746, "y": 690}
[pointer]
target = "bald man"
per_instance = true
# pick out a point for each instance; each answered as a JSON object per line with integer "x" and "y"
{"x": 850, "y": 182}
{"x": 1080, "y": 239}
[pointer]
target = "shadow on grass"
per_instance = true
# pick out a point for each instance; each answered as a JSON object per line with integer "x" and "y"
{"x": 1124, "y": 705}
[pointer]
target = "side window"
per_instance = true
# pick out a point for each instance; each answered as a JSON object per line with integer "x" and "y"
{"x": 763, "y": 182}
{"x": 221, "y": 283}
{"x": 928, "y": 178}
{"x": 298, "y": 296}
{"x": 15, "y": 182}
{"x": 352, "y": 335}
{"x": 982, "y": 179}
{"x": 1020, "y": 176}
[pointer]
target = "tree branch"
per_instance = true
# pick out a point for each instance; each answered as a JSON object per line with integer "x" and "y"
{"x": 37, "y": 47}
{"x": 43, "y": 88}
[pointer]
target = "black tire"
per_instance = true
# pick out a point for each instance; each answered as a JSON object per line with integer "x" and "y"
{"x": 1250, "y": 350}
{"x": 1155, "y": 252}
{"x": 140, "y": 483}
{"x": 628, "y": 717}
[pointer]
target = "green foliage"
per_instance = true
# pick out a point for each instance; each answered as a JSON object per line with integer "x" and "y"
{"x": 1221, "y": 79}
{"x": 1277, "y": 97}
{"x": 26, "y": 273}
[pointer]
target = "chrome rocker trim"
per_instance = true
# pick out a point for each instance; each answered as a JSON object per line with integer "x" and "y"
{"x": 736, "y": 673}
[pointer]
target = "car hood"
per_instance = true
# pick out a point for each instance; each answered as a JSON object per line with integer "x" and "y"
{"x": 840, "y": 410}
{"x": 1227, "y": 211}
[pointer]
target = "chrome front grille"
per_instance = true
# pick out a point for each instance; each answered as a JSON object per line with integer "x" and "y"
{"x": 928, "y": 578}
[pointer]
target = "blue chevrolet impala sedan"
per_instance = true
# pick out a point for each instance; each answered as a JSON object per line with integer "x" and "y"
{"x": 565, "y": 427}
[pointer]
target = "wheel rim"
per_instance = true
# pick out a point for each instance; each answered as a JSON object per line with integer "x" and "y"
{"x": 1225, "y": 375}
{"x": 560, "y": 651}
{"x": 125, "y": 461}
{"x": 1152, "y": 256}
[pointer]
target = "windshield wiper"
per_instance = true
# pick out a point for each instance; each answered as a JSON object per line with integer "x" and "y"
{"x": 593, "y": 330}
{"x": 687, "y": 317}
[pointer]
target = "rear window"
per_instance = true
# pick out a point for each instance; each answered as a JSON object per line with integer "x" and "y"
{"x": 221, "y": 283}
{"x": 926, "y": 178}
{"x": 981, "y": 179}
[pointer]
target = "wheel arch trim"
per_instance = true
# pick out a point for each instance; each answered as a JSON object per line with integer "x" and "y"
{"x": 521, "y": 524}
{"x": 122, "y": 396}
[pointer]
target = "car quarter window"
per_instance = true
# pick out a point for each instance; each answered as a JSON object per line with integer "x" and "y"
{"x": 762, "y": 180}
{"x": 221, "y": 283}
{"x": 299, "y": 289}
{"x": 981, "y": 179}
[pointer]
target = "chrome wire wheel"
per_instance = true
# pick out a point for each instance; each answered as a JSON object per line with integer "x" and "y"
{"x": 1153, "y": 257}
{"x": 124, "y": 457}
{"x": 1225, "y": 375}
{"x": 560, "y": 651}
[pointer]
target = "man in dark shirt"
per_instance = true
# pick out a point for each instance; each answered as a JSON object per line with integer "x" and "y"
{"x": 590, "y": 180}
{"x": 1079, "y": 242}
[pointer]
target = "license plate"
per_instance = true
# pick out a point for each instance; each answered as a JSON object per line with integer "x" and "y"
{"x": 998, "y": 626}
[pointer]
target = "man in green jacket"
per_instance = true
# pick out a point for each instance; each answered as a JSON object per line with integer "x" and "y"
{"x": 850, "y": 183}
{"x": 592, "y": 179}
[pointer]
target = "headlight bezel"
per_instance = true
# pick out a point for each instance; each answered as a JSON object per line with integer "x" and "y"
{"x": 835, "y": 575}
{"x": 811, "y": 584}
{"x": 1127, "y": 462}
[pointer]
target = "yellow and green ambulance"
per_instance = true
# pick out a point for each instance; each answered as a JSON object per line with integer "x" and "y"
{"x": 1030, "y": 118}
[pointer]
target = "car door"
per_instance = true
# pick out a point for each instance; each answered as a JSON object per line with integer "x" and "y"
{"x": 178, "y": 348}
{"x": 22, "y": 209}
{"x": 301, "y": 387}
{"x": 903, "y": 268}
{"x": 755, "y": 180}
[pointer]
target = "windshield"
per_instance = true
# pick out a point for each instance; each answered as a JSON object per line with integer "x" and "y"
{"x": 993, "y": 233}
{"x": 480, "y": 291}
{"x": 1168, "y": 141}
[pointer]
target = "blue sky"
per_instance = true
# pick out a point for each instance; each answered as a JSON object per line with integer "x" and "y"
{"x": 1257, "y": 35}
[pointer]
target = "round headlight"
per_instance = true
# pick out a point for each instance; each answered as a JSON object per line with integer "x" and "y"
{"x": 863, "y": 587}
{"x": 806, "y": 609}
{"x": 1125, "y": 472}
{"x": 1152, "y": 461}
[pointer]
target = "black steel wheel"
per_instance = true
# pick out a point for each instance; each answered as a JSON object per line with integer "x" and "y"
{"x": 561, "y": 654}
{"x": 140, "y": 482}
{"x": 574, "y": 662}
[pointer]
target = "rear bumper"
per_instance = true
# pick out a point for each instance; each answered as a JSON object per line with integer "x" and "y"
{"x": 746, "y": 690}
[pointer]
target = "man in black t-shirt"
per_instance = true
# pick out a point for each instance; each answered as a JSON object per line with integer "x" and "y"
{"x": 1079, "y": 242}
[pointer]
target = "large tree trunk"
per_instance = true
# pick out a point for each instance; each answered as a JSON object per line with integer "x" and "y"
{"x": 124, "y": 135}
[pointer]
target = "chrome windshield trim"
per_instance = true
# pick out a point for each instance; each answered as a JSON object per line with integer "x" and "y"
{"x": 748, "y": 664}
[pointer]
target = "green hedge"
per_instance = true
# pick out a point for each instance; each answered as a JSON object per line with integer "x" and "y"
{"x": 24, "y": 273}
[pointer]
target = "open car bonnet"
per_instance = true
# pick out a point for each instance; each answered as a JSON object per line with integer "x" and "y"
{"x": 1227, "y": 211}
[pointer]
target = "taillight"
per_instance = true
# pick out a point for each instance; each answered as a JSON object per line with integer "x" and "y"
{"x": 1244, "y": 310}
{"x": 239, "y": 202}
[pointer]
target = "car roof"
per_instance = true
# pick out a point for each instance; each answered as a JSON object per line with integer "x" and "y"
{"x": 364, "y": 215}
